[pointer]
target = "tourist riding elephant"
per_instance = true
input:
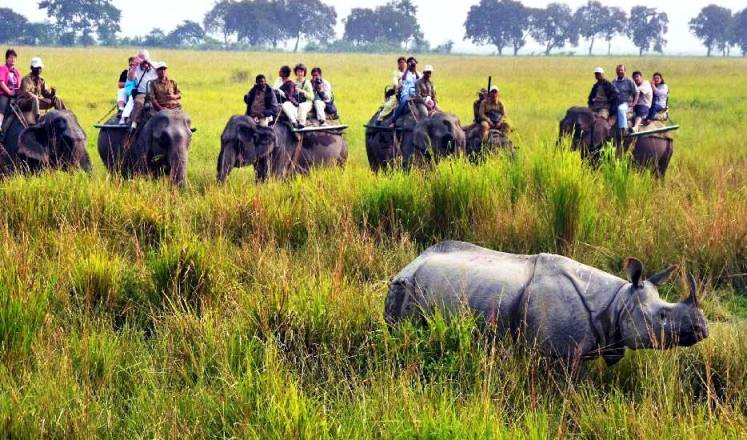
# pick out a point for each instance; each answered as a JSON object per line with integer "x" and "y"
{"x": 436, "y": 137}
{"x": 56, "y": 142}
{"x": 589, "y": 132}
{"x": 477, "y": 148}
{"x": 276, "y": 151}
{"x": 161, "y": 147}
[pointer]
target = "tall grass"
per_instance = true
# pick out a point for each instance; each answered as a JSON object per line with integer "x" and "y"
{"x": 133, "y": 309}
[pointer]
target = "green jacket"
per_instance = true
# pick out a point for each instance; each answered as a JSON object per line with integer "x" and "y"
{"x": 304, "y": 88}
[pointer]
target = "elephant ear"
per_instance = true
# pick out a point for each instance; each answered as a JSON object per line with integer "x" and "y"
{"x": 585, "y": 120}
{"x": 265, "y": 140}
{"x": 421, "y": 138}
{"x": 33, "y": 143}
{"x": 245, "y": 133}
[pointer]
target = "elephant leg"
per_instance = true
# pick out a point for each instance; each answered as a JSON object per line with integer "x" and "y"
{"x": 226, "y": 162}
{"x": 262, "y": 170}
{"x": 663, "y": 163}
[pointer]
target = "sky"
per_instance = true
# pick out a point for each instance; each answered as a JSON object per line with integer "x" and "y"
{"x": 440, "y": 20}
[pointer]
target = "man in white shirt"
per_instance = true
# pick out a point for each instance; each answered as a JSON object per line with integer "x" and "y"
{"x": 143, "y": 73}
{"x": 645, "y": 99}
{"x": 323, "y": 98}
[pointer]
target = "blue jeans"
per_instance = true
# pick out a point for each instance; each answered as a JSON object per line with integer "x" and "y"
{"x": 401, "y": 109}
{"x": 622, "y": 115}
{"x": 655, "y": 110}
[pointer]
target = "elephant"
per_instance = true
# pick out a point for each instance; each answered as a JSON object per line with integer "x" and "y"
{"x": 412, "y": 140}
{"x": 57, "y": 141}
{"x": 589, "y": 132}
{"x": 477, "y": 148}
{"x": 441, "y": 135}
{"x": 386, "y": 145}
{"x": 276, "y": 151}
{"x": 160, "y": 147}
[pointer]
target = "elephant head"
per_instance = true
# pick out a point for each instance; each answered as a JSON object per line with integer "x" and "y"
{"x": 163, "y": 145}
{"x": 442, "y": 133}
{"x": 245, "y": 143}
{"x": 57, "y": 141}
{"x": 588, "y": 130}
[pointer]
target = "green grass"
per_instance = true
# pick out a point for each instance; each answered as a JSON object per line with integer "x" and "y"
{"x": 134, "y": 309}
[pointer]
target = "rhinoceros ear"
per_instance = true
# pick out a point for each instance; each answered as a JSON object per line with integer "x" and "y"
{"x": 663, "y": 276}
{"x": 634, "y": 269}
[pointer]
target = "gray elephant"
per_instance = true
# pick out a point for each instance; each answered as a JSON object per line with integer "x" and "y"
{"x": 477, "y": 148}
{"x": 387, "y": 145}
{"x": 436, "y": 137}
{"x": 277, "y": 151}
{"x": 589, "y": 132}
{"x": 160, "y": 147}
{"x": 412, "y": 140}
{"x": 56, "y": 142}
{"x": 565, "y": 309}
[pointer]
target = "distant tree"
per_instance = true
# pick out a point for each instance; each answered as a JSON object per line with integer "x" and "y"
{"x": 617, "y": 22}
{"x": 187, "y": 34}
{"x": 37, "y": 34}
{"x": 444, "y": 48}
{"x": 739, "y": 31}
{"x": 554, "y": 27}
{"x": 712, "y": 27}
{"x": 361, "y": 26}
{"x": 394, "y": 23}
{"x": 13, "y": 25}
{"x": 216, "y": 18}
{"x": 156, "y": 38}
{"x": 503, "y": 23}
{"x": 107, "y": 30}
{"x": 647, "y": 28}
{"x": 592, "y": 20}
{"x": 257, "y": 22}
{"x": 82, "y": 18}
{"x": 309, "y": 19}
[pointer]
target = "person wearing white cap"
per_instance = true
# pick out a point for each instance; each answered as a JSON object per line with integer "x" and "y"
{"x": 425, "y": 93}
{"x": 34, "y": 95}
{"x": 164, "y": 93}
{"x": 603, "y": 96}
{"x": 493, "y": 114}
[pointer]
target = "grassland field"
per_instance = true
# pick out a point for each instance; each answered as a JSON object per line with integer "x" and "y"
{"x": 131, "y": 309}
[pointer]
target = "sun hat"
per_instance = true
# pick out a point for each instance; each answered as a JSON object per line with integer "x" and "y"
{"x": 36, "y": 63}
{"x": 160, "y": 65}
{"x": 599, "y": 70}
{"x": 428, "y": 68}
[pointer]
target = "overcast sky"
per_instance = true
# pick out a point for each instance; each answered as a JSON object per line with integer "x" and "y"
{"x": 440, "y": 20}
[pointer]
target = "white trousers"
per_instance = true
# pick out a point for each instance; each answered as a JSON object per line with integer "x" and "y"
{"x": 290, "y": 111}
{"x": 303, "y": 111}
{"x": 121, "y": 98}
{"x": 319, "y": 106}
{"x": 127, "y": 111}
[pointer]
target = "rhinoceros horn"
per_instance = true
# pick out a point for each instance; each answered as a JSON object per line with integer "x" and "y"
{"x": 692, "y": 299}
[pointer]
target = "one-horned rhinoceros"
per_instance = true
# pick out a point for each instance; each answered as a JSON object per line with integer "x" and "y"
{"x": 564, "y": 308}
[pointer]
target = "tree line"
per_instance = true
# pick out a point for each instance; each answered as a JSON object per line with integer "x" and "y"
{"x": 272, "y": 24}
